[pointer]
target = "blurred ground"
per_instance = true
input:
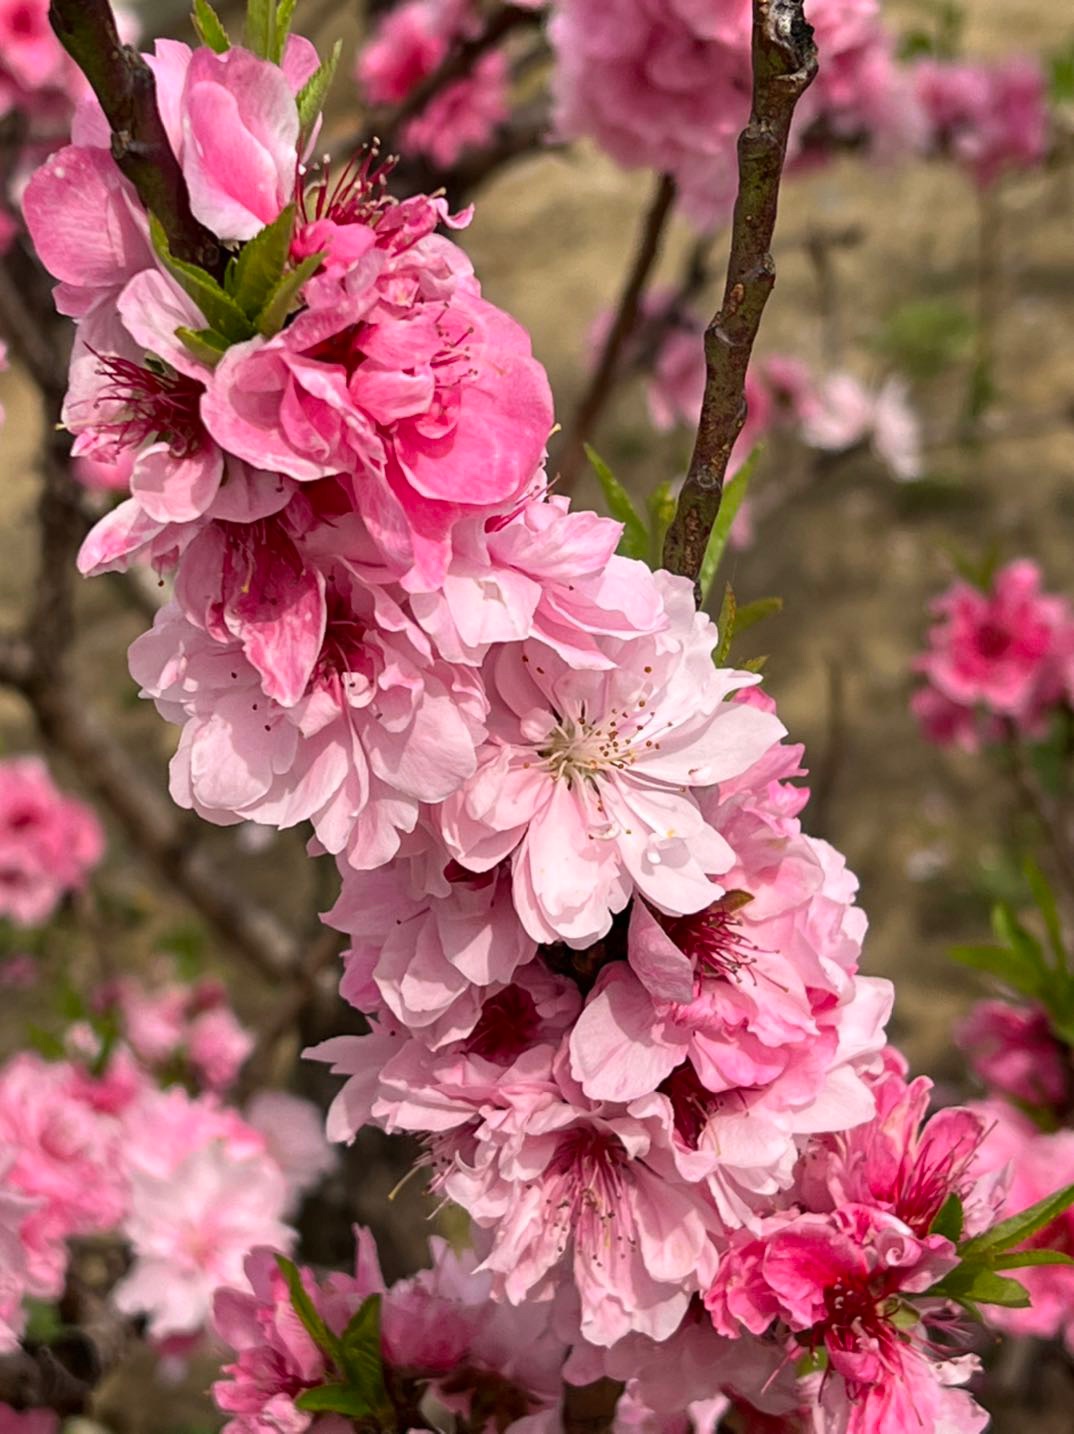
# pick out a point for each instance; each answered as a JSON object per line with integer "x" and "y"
{"x": 855, "y": 556}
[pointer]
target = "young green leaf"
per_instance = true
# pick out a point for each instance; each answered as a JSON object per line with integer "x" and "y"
{"x": 725, "y": 626}
{"x": 635, "y": 540}
{"x": 1002, "y": 964}
{"x": 1023, "y": 1259}
{"x": 311, "y": 96}
{"x": 307, "y": 1311}
{"x": 756, "y": 611}
{"x": 948, "y": 1222}
{"x": 978, "y": 1285}
{"x": 1019, "y": 1228}
{"x": 206, "y": 345}
{"x": 285, "y": 14}
{"x": 1044, "y": 897}
{"x": 733, "y": 494}
{"x": 260, "y": 27}
{"x": 221, "y": 311}
{"x": 284, "y": 296}
{"x": 360, "y": 1352}
{"x": 334, "y": 1399}
{"x": 210, "y": 27}
{"x": 661, "y": 507}
{"x": 261, "y": 264}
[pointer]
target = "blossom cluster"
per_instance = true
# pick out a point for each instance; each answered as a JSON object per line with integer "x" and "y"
{"x": 92, "y": 1145}
{"x": 49, "y": 842}
{"x": 999, "y": 662}
{"x": 609, "y": 979}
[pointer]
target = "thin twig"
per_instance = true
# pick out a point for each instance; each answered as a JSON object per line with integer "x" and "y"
{"x": 624, "y": 324}
{"x": 127, "y": 91}
{"x": 784, "y": 64}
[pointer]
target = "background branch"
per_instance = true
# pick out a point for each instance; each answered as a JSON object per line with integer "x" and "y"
{"x": 784, "y": 65}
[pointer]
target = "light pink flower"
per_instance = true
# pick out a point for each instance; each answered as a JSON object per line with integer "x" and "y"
{"x": 49, "y": 843}
{"x": 293, "y": 1132}
{"x": 217, "y": 1046}
{"x": 845, "y": 413}
{"x": 378, "y": 728}
{"x": 836, "y": 1282}
{"x": 587, "y": 779}
{"x": 204, "y": 1191}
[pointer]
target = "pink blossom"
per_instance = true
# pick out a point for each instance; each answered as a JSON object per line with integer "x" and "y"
{"x": 1033, "y": 1164}
{"x": 49, "y": 843}
{"x": 105, "y": 475}
{"x": 377, "y": 727}
{"x": 1002, "y": 650}
{"x": 836, "y": 1283}
{"x": 587, "y": 776}
{"x": 33, "y": 1421}
{"x": 1015, "y": 1053}
{"x": 845, "y": 413}
{"x": 32, "y": 56}
{"x": 217, "y": 1046}
{"x": 293, "y": 1132}
{"x": 992, "y": 118}
{"x": 173, "y": 1023}
{"x": 401, "y": 376}
{"x": 203, "y": 1192}
{"x": 463, "y": 115}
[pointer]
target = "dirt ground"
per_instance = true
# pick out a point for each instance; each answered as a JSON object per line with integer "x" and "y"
{"x": 854, "y": 555}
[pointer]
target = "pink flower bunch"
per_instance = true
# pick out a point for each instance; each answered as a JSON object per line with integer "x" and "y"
{"x": 444, "y": 1343}
{"x": 993, "y": 118}
{"x": 720, "y": 1023}
{"x": 997, "y": 661}
{"x": 408, "y": 45}
{"x": 667, "y": 87}
{"x": 49, "y": 843}
{"x": 174, "y": 1026}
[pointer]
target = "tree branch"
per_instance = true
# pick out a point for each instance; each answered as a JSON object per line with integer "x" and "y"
{"x": 125, "y": 86}
{"x": 784, "y": 65}
{"x": 590, "y": 1408}
{"x": 623, "y": 327}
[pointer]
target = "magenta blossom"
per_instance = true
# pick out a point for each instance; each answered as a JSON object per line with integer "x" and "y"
{"x": 991, "y": 118}
{"x": 1014, "y": 1052}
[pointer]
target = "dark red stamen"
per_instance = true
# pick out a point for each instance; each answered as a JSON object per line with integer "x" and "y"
{"x": 357, "y": 195}
{"x": 151, "y": 404}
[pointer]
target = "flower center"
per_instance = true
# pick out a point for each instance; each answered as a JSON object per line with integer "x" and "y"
{"x": 508, "y": 1026}
{"x": 713, "y": 938}
{"x": 151, "y": 402}
{"x": 358, "y": 194}
{"x": 586, "y": 1189}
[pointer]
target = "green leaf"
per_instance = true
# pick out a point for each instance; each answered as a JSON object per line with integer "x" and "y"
{"x": 635, "y": 540}
{"x": 733, "y": 495}
{"x": 284, "y": 296}
{"x": 1002, "y": 964}
{"x": 221, "y": 311}
{"x": 725, "y": 626}
{"x": 360, "y": 1352}
{"x": 311, "y": 96}
{"x": 261, "y": 264}
{"x": 1048, "y": 907}
{"x": 285, "y": 14}
{"x": 1061, "y": 76}
{"x": 1019, "y": 1228}
{"x": 207, "y": 346}
{"x": 307, "y": 1311}
{"x": 1022, "y": 1259}
{"x": 948, "y": 1221}
{"x": 755, "y": 612}
{"x": 260, "y": 27}
{"x": 925, "y": 336}
{"x": 755, "y": 664}
{"x": 975, "y": 1284}
{"x": 210, "y": 27}
{"x": 661, "y": 507}
{"x": 334, "y": 1399}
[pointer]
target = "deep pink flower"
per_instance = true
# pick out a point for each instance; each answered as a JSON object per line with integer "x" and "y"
{"x": 1003, "y": 650}
{"x": 836, "y": 1282}
{"x": 33, "y": 1421}
{"x": 587, "y": 778}
{"x": 1015, "y": 1053}
{"x": 49, "y": 843}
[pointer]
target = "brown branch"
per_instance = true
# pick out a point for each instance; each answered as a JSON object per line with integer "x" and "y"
{"x": 784, "y": 64}
{"x": 624, "y": 324}
{"x": 590, "y": 1408}
{"x": 126, "y": 89}
{"x": 457, "y": 63}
